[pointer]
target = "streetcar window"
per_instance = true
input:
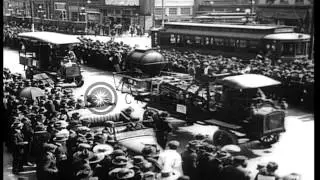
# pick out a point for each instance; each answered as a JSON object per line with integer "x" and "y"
{"x": 212, "y": 41}
{"x": 197, "y": 39}
{"x": 300, "y": 48}
{"x": 288, "y": 49}
{"x": 219, "y": 41}
{"x": 172, "y": 39}
{"x": 232, "y": 43}
{"x": 207, "y": 42}
{"x": 178, "y": 39}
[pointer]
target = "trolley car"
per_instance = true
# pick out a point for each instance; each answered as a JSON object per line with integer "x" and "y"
{"x": 277, "y": 42}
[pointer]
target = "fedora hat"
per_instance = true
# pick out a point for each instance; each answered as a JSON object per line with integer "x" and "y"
{"x": 120, "y": 161}
{"x": 61, "y": 124}
{"x": 138, "y": 160}
{"x": 231, "y": 148}
{"x": 103, "y": 149}
{"x": 60, "y": 138}
{"x": 96, "y": 158}
{"x": 84, "y": 172}
{"x": 125, "y": 173}
{"x": 150, "y": 151}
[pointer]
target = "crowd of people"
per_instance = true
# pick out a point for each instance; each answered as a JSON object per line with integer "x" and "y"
{"x": 297, "y": 77}
{"x": 102, "y": 54}
{"x": 42, "y": 132}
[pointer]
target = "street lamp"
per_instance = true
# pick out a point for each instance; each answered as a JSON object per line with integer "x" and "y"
{"x": 84, "y": 13}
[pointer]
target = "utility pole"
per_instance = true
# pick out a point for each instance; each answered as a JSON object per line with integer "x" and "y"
{"x": 312, "y": 33}
{"x": 162, "y": 13}
{"x": 32, "y": 20}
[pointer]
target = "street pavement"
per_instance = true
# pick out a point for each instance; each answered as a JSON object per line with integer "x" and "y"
{"x": 294, "y": 152}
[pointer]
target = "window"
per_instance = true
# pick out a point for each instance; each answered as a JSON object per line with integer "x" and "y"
{"x": 172, "y": 11}
{"x": 186, "y": 11}
{"x": 197, "y": 40}
{"x": 288, "y": 49}
{"x": 253, "y": 44}
{"x": 284, "y": 1}
{"x": 158, "y": 11}
{"x": 207, "y": 41}
{"x": 172, "y": 39}
{"x": 59, "y": 6}
{"x": 301, "y": 48}
{"x": 127, "y": 12}
{"x": 74, "y": 16}
{"x": 178, "y": 39}
{"x": 64, "y": 15}
{"x": 243, "y": 43}
{"x": 118, "y": 12}
{"x": 219, "y": 41}
{"x": 212, "y": 41}
{"x": 299, "y": 1}
{"x": 232, "y": 43}
{"x": 105, "y": 13}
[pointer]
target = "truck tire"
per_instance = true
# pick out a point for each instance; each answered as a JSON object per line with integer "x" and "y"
{"x": 269, "y": 139}
{"x": 223, "y": 137}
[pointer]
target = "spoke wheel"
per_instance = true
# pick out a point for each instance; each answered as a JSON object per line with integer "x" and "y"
{"x": 269, "y": 139}
{"x": 223, "y": 137}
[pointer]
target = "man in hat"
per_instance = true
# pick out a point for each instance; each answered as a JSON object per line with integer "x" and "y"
{"x": 268, "y": 172}
{"x": 151, "y": 154}
{"x": 236, "y": 170}
{"x": 18, "y": 147}
{"x": 189, "y": 160}
{"x": 126, "y": 115}
{"x": 28, "y": 135}
{"x": 162, "y": 128}
{"x": 47, "y": 166}
{"x": 170, "y": 160}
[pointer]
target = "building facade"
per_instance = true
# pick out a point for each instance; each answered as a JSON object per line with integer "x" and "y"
{"x": 173, "y": 10}
{"x": 224, "y": 6}
{"x": 286, "y": 12}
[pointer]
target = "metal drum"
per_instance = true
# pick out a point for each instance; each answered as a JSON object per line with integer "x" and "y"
{"x": 149, "y": 61}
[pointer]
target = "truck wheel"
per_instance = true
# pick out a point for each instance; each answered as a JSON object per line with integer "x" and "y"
{"x": 223, "y": 137}
{"x": 269, "y": 139}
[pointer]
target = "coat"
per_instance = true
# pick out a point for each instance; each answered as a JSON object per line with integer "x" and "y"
{"x": 189, "y": 164}
{"x": 231, "y": 172}
{"x": 48, "y": 168}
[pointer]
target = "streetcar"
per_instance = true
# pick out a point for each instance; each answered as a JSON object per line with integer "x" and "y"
{"x": 236, "y": 103}
{"x": 277, "y": 42}
{"x": 46, "y": 52}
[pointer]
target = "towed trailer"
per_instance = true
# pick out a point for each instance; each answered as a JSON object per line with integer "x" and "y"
{"x": 235, "y": 103}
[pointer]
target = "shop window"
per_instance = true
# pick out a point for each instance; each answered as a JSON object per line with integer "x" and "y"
{"x": 185, "y": 11}
{"x": 74, "y": 16}
{"x": 158, "y": 11}
{"x": 172, "y": 11}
